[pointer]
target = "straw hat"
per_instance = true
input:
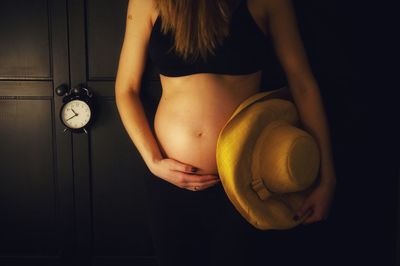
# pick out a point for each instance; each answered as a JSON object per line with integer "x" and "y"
{"x": 267, "y": 163}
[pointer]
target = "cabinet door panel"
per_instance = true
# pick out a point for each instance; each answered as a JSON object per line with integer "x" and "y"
{"x": 36, "y": 179}
{"x": 25, "y": 40}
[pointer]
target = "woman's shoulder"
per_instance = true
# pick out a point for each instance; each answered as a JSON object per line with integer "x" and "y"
{"x": 143, "y": 8}
{"x": 268, "y": 6}
{"x": 259, "y": 8}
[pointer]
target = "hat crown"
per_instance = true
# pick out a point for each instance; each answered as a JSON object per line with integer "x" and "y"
{"x": 285, "y": 159}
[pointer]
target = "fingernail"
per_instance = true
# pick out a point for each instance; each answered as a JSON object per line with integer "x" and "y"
{"x": 295, "y": 217}
{"x": 194, "y": 169}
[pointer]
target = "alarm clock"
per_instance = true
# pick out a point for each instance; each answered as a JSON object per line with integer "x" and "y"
{"x": 77, "y": 111}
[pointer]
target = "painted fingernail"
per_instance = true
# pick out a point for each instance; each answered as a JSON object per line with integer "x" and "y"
{"x": 295, "y": 217}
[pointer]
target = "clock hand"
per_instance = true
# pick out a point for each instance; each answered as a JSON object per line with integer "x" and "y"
{"x": 74, "y": 111}
{"x": 71, "y": 117}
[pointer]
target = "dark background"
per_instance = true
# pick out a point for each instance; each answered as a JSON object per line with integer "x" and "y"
{"x": 68, "y": 199}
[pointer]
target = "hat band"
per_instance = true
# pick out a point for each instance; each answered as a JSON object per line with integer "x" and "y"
{"x": 259, "y": 187}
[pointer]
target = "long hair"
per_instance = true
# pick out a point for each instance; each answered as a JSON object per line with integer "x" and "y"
{"x": 198, "y": 26}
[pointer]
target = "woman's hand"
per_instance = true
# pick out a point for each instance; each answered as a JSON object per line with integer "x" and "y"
{"x": 182, "y": 175}
{"x": 317, "y": 204}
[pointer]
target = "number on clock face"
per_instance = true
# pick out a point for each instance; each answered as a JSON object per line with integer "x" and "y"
{"x": 76, "y": 114}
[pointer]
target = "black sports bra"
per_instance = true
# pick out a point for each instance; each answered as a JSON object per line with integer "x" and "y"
{"x": 243, "y": 51}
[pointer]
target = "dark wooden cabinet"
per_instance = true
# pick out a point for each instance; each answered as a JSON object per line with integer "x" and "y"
{"x": 67, "y": 199}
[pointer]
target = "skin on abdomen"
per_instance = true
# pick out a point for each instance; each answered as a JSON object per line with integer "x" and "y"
{"x": 193, "y": 110}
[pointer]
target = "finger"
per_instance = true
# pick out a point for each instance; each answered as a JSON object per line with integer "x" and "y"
{"x": 203, "y": 182}
{"x": 212, "y": 183}
{"x": 185, "y": 180}
{"x": 311, "y": 218}
{"x": 182, "y": 167}
{"x": 317, "y": 218}
{"x": 309, "y": 212}
{"x": 193, "y": 178}
{"x": 303, "y": 209}
{"x": 202, "y": 185}
{"x": 316, "y": 215}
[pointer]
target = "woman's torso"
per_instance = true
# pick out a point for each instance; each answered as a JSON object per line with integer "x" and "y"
{"x": 194, "y": 108}
{"x": 192, "y": 112}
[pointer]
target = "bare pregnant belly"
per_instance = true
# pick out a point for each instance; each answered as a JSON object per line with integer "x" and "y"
{"x": 192, "y": 112}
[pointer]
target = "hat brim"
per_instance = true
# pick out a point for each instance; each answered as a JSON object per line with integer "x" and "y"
{"x": 233, "y": 144}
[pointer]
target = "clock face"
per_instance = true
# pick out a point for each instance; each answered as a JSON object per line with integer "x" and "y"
{"x": 76, "y": 114}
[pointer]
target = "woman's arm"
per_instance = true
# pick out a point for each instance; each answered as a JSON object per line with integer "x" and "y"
{"x": 128, "y": 81}
{"x": 304, "y": 88}
{"x": 127, "y": 88}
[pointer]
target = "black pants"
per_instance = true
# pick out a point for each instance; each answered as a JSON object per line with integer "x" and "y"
{"x": 204, "y": 228}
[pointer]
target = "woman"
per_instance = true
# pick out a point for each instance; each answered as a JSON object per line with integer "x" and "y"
{"x": 210, "y": 55}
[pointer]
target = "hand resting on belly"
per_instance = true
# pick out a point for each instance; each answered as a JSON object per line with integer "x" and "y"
{"x": 189, "y": 118}
{"x": 183, "y": 175}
